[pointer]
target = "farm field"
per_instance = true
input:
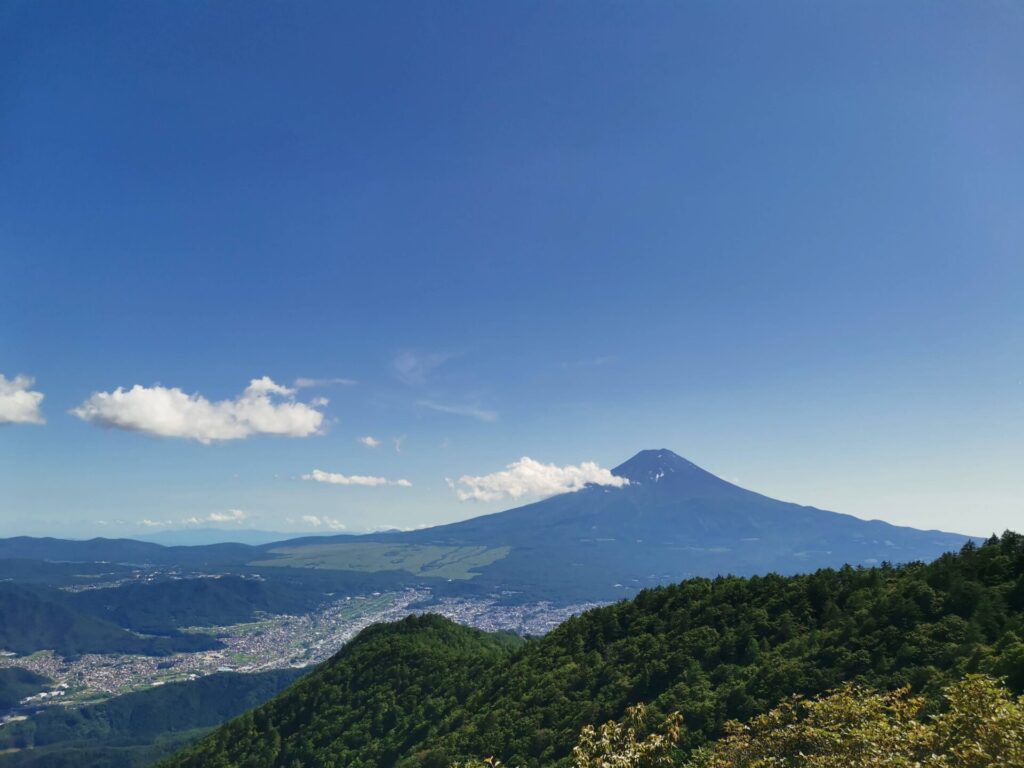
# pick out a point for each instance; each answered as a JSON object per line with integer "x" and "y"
{"x": 448, "y": 562}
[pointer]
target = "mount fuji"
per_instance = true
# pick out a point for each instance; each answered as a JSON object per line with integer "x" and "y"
{"x": 672, "y": 521}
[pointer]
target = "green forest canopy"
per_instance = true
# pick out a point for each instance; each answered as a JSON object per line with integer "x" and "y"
{"x": 424, "y": 691}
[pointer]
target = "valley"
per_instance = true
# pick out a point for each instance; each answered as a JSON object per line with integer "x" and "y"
{"x": 272, "y": 642}
{"x": 269, "y": 643}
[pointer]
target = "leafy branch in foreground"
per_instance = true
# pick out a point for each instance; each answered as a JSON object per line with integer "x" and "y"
{"x": 618, "y": 744}
{"x": 981, "y": 727}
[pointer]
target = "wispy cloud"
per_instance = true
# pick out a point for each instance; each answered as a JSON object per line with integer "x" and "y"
{"x": 19, "y": 404}
{"x": 414, "y": 368}
{"x": 307, "y": 383}
{"x": 398, "y": 443}
{"x": 322, "y": 521}
{"x": 237, "y": 516}
{"x": 264, "y": 408}
{"x": 528, "y": 477}
{"x": 473, "y": 411}
{"x": 335, "y": 478}
{"x": 369, "y": 441}
{"x": 230, "y": 516}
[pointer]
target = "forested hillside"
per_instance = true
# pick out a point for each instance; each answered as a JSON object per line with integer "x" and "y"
{"x": 17, "y": 683}
{"x": 372, "y": 701}
{"x": 40, "y": 617}
{"x": 425, "y": 692}
{"x": 35, "y": 618}
{"x": 136, "y": 728}
{"x": 162, "y": 606}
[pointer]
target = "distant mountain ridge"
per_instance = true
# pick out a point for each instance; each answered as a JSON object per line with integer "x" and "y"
{"x": 673, "y": 520}
{"x": 127, "y": 551}
{"x": 192, "y": 537}
{"x": 135, "y": 729}
{"x": 668, "y": 493}
{"x": 36, "y": 618}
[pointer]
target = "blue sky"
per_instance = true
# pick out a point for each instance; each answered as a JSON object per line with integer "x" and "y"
{"x": 785, "y": 240}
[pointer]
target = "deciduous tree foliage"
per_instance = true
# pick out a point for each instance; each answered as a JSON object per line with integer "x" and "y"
{"x": 622, "y": 745}
{"x": 980, "y": 726}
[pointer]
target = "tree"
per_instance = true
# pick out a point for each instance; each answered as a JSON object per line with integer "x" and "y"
{"x": 981, "y": 727}
{"x": 619, "y": 745}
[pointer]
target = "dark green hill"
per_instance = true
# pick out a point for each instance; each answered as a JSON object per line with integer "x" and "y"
{"x": 125, "y": 551}
{"x": 35, "y": 616}
{"x": 163, "y": 606}
{"x": 136, "y": 728}
{"x": 424, "y": 691}
{"x": 35, "y": 619}
{"x": 159, "y": 606}
{"x": 379, "y": 696}
{"x": 60, "y": 574}
{"x": 17, "y": 683}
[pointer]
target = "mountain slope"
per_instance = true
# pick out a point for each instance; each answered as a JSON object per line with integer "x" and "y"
{"x": 17, "y": 683}
{"x": 194, "y": 537}
{"x": 672, "y": 502}
{"x": 162, "y": 606}
{"x": 376, "y": 697}
{"x": 35, "y": 619}
{"x": 123, "y": 551}
{"x": 136, "y": 728}
{"x": 714, "y": 650}
{"x": 672, "y": 521}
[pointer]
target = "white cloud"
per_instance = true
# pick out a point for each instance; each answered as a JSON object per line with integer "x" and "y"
{"x": 461, "y": 410}
{"x": 18, "y": 403}
{"x": 399, "y": 442}
{"x": 528, "y": 477}
{"x": 228, "y": 516}
{"x": 369, "y": 441}
{"x": 264, "y": 408}
{"x": 414, "y": 368}
{"x": 319, "y": 476}
{"x": 305, "y": 383}
{"x": 323, "y": 521}
{"x": 231, "y": 516}
{"x": 266, "y": 386}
